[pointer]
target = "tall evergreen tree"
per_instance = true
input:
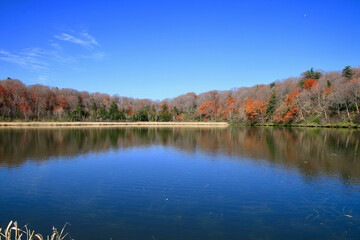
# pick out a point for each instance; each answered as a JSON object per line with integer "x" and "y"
{"x": 309, "y": 74}
{"x": 78, "y": 113}
{"x": 270, "y": 108}
{"x": 114, "y": 113}
{"x": 312, "y": 74}
{"x": 348, "y": 72}
{"x": 141, "y": 115}
{"x": 102, "y": 113}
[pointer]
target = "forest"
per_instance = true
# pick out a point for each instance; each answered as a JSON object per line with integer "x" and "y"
{"x": 315, "y": 96}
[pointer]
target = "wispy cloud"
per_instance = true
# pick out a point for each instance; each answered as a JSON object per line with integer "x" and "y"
{"x": 27, "y": 58}
{"x": 96, "y": 55}
{"x": 44, "y": 60}
{"x": 83, "y": 39}
{"x": 36, "y": 59}
{"x": 43, "y": 79}
{"x": 55, "y": 45}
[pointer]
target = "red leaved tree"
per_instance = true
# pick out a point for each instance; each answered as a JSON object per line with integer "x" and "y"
{"x": 255, "y": 110}
{"x": 230, "y": 107}
{"x": 286, "y": 113}
{"x": 208, "y": 109}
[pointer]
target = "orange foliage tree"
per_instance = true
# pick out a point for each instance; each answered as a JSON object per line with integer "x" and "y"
{"x": 129, "y": 110}
{"x": 231, "y": 107}
{"x": 255, "y": 110}
{"x": 287, "y": 111}
{"x": 181, "y": 117}
{"x": 208, "y": 109}
{"x": 309, "y": 83}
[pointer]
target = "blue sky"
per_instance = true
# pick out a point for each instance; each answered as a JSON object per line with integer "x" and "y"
{"x": 161, "y": 49}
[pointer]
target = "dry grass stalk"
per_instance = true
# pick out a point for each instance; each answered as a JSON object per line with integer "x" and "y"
{"x": 13, "y": 232}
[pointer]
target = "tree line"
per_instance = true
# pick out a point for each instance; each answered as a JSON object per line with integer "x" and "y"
{"x": 315, "y": 96}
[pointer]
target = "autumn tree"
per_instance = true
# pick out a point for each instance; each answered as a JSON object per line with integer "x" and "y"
{"x": 353, "y": 89}
{"x": 152, "y": 114}
{"x": 307, "y": 75}
{"x": 287, "y": 111}
{"x": 309, "y": 83}
{"x": 4, "y": 103}
{"x": 255, "y": 110}
{"x": 330, "y": 98}
{"x": 175, "y": 113}
{"x": 208, "y": 110}
{"x": 43, "y": 100}
{"x": 230, "y": 107}
{"x": 320, "y": 98}
{"x": 164, "y": 114}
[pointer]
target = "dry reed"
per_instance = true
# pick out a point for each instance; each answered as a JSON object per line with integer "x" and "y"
{"x": 13, "y": 232}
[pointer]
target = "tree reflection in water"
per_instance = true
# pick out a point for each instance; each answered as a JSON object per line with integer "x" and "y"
{"x": 312, "y": 151}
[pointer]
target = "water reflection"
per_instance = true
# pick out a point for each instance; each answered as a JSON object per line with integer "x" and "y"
{"x": 183, "y": 183}
{"x": 313, "y": 151}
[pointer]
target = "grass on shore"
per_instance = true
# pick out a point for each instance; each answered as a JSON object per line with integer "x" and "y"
{"x": 173, "y": 124}
{"x": 13, "y": 232}
{"x": 113, "y": 124}
{"x": 307, "y": 125}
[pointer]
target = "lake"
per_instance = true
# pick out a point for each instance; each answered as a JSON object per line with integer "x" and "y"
{"x": 182, "y": 183}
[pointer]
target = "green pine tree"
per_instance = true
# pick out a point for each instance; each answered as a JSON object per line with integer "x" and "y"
{"x": 114, "y": 113}
{"x": 78, "y": 113}
{"x": 348, "y": 72}
{"x": 271, "y": 105}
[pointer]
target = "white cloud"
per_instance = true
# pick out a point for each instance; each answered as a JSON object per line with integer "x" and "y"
{"x": 44, "y": 60}
{"x": 28, "y": 58}
{"x": 84, "y": 39}
{"x": 43, "y": 79}
{"x": 56, "y": 45}
{"x": 96, "y": 55}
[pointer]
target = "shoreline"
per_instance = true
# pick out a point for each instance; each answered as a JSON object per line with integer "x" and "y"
{"x": 299, "y": 125}
{"x": 21, "y": 124}
{"x": 112, "y": 124}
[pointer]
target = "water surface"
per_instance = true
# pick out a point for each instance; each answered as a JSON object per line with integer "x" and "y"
{"x": 183, "y": 183}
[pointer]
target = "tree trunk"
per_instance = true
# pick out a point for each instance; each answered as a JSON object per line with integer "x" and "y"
{"x": 347, "y": 111}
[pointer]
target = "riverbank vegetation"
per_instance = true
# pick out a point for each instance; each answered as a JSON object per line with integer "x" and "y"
{"x": 33, "y": 124}
{"x": 315, "y": 98}
{"x": 13, "y": 232}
